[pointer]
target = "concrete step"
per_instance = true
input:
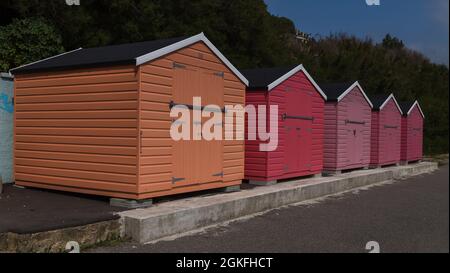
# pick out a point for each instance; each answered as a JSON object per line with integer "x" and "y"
{"x": 166, "y": 219}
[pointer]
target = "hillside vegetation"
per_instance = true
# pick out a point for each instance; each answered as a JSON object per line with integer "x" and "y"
{"x": 243, "y": 30}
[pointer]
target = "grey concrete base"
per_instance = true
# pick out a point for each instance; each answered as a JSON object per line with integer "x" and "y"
{"x": 318, "y": 175}
{"x": 384, "y": 166}
{"x": 130, "y": 204}
{"x": 19, "y": 187}
{"x": 403, "y": 172}
{"x": 331, "y": 173}
{"x": 231, "y": 189}
{"x": 406, "y": 163}
{"x": 262, "y": 183}
{"x": 170, "y": 218}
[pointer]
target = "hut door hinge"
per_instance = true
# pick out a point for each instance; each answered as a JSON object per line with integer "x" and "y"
{"x": 286, "y": 116}
{"x": 355, "y": 122}
{"x": 218, "y": 174}
{"x": 177, "y": 65}
{"x": 177, "y": 179}
{"x": 220, "y": 74}
{"x": 390, "y": 127}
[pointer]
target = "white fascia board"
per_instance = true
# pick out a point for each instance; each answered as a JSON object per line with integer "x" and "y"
{"x": 11, "y": 71}
{"x": 6, "y": 76}
{"x": 356, "y": 84}
{"x": 187, "y": 42}
{"x": 293, "y": 72}
{"x": 396, "y": 103}
{"x": 416, "y": 103}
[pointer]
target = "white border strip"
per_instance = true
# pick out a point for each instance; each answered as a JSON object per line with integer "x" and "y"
{"x": 416, "y": 103}
{"x": 12, "y": 70}
{"x": 6, "y": 76}
{"x": 293, "y": 72}
{"x": 356, "y": 84}
{"x": 187, "y": 42}
{"x": 395, "y": 100}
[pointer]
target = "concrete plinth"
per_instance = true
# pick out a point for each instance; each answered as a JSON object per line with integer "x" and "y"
{"x": 262, "y": 183}
{"x": 185, "y": 215}
{"x": 130, "y": 204}
{"x": 329, "y": 173}
{"x": 231, "y": 189}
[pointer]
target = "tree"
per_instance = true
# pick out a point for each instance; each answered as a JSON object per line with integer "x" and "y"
{"x": 27, "y": 40}
{"x": 244, "y": 31}
{"x": 390, "y": 42}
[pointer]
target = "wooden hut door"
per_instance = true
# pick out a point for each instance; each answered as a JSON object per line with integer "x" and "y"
{"x": 355, "y": 141}
{"x": 355, "y": 131}
{"x": 389, "y": 143}
{"x": 350, "y": 147}
{"x": 359, "y": 144}
{"x": 298, "y": 122}
{"x": 197, "y": 161}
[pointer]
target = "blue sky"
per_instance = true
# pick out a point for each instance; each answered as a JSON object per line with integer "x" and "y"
{"x": 422, "y": 24}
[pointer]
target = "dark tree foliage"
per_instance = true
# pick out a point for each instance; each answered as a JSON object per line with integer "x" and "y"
{"x": 250, "y": 37}
{"x": 27, "y": 40}
{"x": 388, "y": 67}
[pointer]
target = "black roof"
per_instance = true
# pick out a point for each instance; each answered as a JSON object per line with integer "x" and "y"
{"x": 99, "y": 56}
{"x": 335, "y": 90}
{"x": 261, "y": 78}
{"x": 406, "y": 106}
{"x": 378, "y": 100}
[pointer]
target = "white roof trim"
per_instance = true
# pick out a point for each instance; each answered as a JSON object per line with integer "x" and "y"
{"x": 396, "y": 103}
{"x": 356, "y": 84}
{"x": 6, "y": 76}
{"x": 187, "y": 42}
{"x": 12, "y": 70}
{"x": 416, "y": 103}
{"x": 293, "y": 72}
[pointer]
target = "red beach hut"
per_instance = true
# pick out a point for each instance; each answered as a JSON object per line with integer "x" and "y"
{"x": 347, "y": 127}
{"x": 412, "y": 132}
{"x": 386, "y": 131}
{"x": 300, "y": 117}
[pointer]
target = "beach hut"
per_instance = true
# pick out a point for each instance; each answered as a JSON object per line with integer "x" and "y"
{"x": 97, "y": 120}
{"x": 297, "y": 104}
{"x": 386, "y": 131}
{"x": 348, "y": 123}
{"x": 6, "y": 127}
{"x": 412, "y": 132}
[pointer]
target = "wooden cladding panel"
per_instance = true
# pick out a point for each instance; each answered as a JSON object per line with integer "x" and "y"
{"x": 76, "y": 130}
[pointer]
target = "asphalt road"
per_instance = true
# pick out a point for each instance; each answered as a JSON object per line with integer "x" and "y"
{"x": 405, "y": 216}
